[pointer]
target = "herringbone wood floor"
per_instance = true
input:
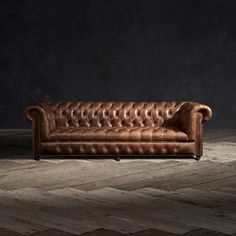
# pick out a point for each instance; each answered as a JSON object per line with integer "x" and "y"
{"x": 139, "y": 197}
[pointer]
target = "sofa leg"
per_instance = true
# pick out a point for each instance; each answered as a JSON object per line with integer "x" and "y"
{"x": 198, "y": 158}
{"x": 117, "y": 158}
{"x": 37, "y": 157}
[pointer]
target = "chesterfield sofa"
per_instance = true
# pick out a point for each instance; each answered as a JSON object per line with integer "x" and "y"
{"x": 118, "y": 128}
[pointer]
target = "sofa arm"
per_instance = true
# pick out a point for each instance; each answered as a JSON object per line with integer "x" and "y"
{"x": 42, "y": 117}
{"x": 189, "y": 109}
{"x": 191, "y": 116}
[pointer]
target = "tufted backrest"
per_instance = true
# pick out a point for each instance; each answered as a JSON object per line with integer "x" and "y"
{"x": 114, "y": 114}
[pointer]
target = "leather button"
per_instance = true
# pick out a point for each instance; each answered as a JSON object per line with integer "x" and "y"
{"x": 81, "y": 149}
{"x": 104, "y": 149}
{"x": 152, "y": 150}
{"x": 163, "y": 150}
{"x": 116, "y": 149}
{"x": 93, "y": 150}
{"x": 128, "y": 149}
{"x": 70, "y": 150}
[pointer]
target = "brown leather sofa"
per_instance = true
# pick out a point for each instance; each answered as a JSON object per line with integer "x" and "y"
{"x": 116, "y": 128}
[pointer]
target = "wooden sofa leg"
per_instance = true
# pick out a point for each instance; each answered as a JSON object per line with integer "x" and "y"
{"x": 37, "y": 157}
{"x": 117, "y": 158}
{"x": 198, "y": 158}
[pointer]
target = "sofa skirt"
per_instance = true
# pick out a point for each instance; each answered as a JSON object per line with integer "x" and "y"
{"x": 117, "y": 148}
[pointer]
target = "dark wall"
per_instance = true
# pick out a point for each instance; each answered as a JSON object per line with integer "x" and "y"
{"x": 123, "y": 50}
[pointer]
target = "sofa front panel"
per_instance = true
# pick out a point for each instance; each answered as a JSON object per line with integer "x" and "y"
{"x": 120, "y": 148}
{"x": 114, "y": 114}
{"x": 118, "y": 134}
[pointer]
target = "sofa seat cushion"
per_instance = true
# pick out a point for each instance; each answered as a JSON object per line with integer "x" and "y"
{"x": 118, "y": 134}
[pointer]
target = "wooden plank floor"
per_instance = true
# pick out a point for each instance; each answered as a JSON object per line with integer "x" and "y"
{"x": 101, "y": 197}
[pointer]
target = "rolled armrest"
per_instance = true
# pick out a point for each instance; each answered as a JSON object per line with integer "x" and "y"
{"x": 190, "y": 108}
{"x": 191, "y": 116}
{"x": 43, "y": 112}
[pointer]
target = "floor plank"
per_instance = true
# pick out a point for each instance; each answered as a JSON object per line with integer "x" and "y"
{"x": 122, "y": 211}
{"x": 136, "y": 196}
{"x": 198, "y": 217}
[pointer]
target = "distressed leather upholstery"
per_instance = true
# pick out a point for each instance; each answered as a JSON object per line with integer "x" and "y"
{"x": 118, "y": 134}
{"x": 146, "y": 128}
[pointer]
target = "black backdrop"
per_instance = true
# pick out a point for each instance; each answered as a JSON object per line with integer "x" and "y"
{"x": 117, "y": 50}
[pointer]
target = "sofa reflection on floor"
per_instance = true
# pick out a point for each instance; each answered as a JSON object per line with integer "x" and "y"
{"x": 118, "y": 128}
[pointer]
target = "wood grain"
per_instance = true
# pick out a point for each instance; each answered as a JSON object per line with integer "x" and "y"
{"x": 136, "y": 196}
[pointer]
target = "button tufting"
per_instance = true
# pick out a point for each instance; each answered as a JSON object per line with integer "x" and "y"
{"x": 163, "y": 150}
{"x": 70, "y": 150}
{"x": 152, "y": 150}
{"x": 117, "y": 149}
{"x": 81, "y": 149}
{"x": 117, "y": 114}
{"x": 108, "y": 127}
{"x": 128, "y": 149}
{"x": 93, "y": 150}
{"x": 104, "y": 149}
{"x": 58, "y": 149}
{"x": 140, "y": 149}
